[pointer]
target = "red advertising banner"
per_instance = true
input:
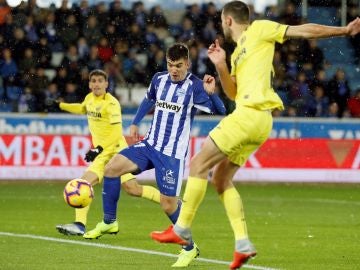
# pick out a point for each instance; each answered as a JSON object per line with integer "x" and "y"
{"x": 61, "y": 157}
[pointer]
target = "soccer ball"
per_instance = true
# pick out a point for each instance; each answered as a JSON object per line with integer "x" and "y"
{"x": 78, "y": 193}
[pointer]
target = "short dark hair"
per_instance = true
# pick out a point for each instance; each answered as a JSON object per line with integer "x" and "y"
{"x": 177, "y": 51}
{"x": 238, "y": 10}
{"x": 98, "y": 72}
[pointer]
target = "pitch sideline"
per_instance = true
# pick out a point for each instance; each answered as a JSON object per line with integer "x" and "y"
{"x": 83, "y": 243}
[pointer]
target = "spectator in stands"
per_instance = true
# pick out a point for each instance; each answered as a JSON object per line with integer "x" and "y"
{"x": 71, "y": 95}
{"x": 93, "y": 61}
{"x": 315, "y": 55}
{"x": 71, "y": 62}
{"x": 193, "y": 14}
{"x": 92, "y": 30}
{"x": 105, "y": 52}
{"x": 60, "y": 79}
{"x": 18, "y": 44}
{"x": 135, "y": 37}
{"x": 7, "y": 28}
{"x": 4, "y": 11}
{"x": 69, "y": 32}
{"x": 43, "y": 53}
{"x": 8, "y": 68}
{"x": 139, "y": 14}
{"x": 30, "y": 30}
{"x": 319, "y": 80}
{"x": 111, "y": 34}
{"x": 62, "y": 13}
{"x": 101, "y": 13}
{"x": 212, "y": 14}
{"x": 354, "y": 104}
{"x": 157, "y": 17}
{"x": 300, "y": 94}
{"x": 82, "y": 48}
{"x": 317, "y": 104}
{"x": 188, "y": 31}
{"x": 119, "y": 17}
{"x": 289, "y": 15}
{"x": 339, "y": 91}
{"x": 49, "y": 30}
{"x": 29, "y": 61}
{"x": 51, "y": 93}
{"x": 333, "y": 110}
{"x": 27, "y": 101}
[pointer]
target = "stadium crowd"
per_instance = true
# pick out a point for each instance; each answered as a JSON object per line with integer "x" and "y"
{"x": 47, "y": 54}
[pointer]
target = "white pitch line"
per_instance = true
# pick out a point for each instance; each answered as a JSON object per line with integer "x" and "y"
{"x": 83, "y": 243}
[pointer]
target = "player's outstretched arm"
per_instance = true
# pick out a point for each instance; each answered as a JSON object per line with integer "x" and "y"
{"x": 311, "y": 30}
{"x": 76, "y": 108}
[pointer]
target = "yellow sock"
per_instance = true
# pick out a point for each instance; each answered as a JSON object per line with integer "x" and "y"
{"x": 235, "y": 212}
{"x": 151, "y": 194}
{"x": 81, "y": 214}
{"x": 194, "y": 194}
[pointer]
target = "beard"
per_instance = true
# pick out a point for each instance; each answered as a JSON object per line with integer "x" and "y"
{"x": 228, "y": 35}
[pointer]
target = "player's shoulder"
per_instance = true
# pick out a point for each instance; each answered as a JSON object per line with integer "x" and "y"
{"x": 261, "y": 24}
{"x": 158, "y": 75}
{"x": 195, "y": 79}
{"x": 88, "y": 97}
{"x": 109, "y": 98}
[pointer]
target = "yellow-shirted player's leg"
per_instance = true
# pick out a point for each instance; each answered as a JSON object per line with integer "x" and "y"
{"x": 151, "y": 193}
{"x": 132, "y": 187}
{"x": 235, "y": 212}
{"x": 193, "y": 196}
{"x": 81, "y": 214}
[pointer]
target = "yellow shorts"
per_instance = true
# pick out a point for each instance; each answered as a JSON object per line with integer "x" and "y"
{"x": 239, "y": 134}
{"x": 98, "y": 165}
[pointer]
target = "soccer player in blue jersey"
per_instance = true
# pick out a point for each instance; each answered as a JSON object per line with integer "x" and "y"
{"x": 238, "y": 135}
{"x": 176, "y": 95}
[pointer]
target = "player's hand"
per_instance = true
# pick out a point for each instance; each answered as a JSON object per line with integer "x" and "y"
{"x": 209, "y": 84}
{"x": 353, "y": 28}
{"x": 93, "y": 153}
{"x": 216, "y": 54}
{"x": 134, "y": 133}
{"x": 53, "y": 103}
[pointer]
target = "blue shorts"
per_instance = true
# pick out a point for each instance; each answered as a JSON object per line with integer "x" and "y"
{"x": 169, "y": 171}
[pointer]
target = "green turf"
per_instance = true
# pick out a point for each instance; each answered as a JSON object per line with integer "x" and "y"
{"x": 293, "y": 226}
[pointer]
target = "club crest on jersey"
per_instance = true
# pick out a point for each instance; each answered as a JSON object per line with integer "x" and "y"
{"x": 181, "y": 92}
{"x": 168, "y": 106}
{"x": 169, "y": 177}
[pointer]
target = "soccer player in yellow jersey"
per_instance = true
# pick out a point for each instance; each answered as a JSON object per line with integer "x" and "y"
{"x": 105, "y": 125}
{"x": 239, "y": 134}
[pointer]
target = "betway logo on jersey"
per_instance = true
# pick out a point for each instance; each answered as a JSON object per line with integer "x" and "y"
{"x": 168, "y": 106}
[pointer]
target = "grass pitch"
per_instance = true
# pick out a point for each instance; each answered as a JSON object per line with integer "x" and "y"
{"x": 293, "y": 226}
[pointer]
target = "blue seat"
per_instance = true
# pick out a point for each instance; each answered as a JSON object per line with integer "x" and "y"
{"x": 13, "y": 92}
{"x": 5, "y": 107}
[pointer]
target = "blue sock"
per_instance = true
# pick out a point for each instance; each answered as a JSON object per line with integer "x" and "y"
{"x": 174, "y": 217}
{"x": 110, "y": 196}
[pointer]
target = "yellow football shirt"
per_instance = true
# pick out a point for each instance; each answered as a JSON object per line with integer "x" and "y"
{"x": 251, "y": 64}
{"x": 104, "y": 118}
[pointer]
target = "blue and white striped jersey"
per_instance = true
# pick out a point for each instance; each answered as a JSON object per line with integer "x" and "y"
{"x": 175, "y": 107}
